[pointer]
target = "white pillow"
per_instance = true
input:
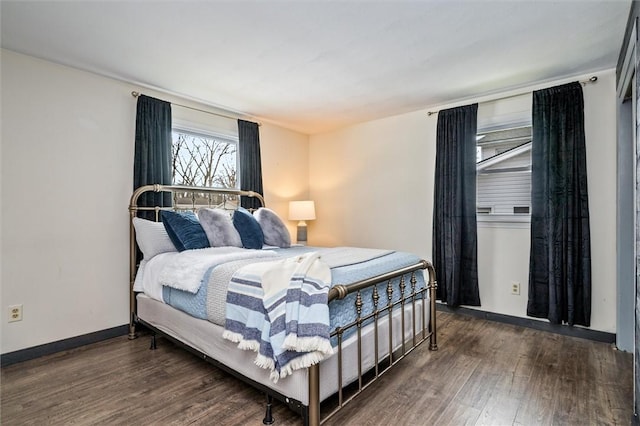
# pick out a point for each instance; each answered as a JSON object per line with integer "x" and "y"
{"x": 152, "y": 238}
{"x": 137, "y": 283}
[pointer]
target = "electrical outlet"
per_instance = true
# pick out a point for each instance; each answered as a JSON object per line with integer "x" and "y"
{"x": 515, "y": 288}
{"x": 15, "y": 313}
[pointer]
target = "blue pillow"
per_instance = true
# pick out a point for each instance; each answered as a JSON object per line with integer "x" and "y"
{"x": 248, "y": 228}
{"x": 184, "y": 230}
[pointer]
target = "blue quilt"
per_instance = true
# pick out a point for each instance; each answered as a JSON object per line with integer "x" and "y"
{"x": 340, "y": 311}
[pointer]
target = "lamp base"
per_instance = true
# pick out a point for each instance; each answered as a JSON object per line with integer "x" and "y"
{"x": 301, "y": 237}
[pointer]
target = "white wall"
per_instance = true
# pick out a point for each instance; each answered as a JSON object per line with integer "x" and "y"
{"x": 285, "y": 169}
{"x": 373, "y": 184}
{"x": 66, "y": 164}
{"x": 373, "y": 187}
{"x": 600, "y": 128}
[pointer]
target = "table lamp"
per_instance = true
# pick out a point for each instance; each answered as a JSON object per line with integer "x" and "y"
{"x": 301, "y": 211}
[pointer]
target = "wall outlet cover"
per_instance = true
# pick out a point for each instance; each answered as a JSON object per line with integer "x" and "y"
{"x": 15, "y": 313}
{"x": 515, "y": 288}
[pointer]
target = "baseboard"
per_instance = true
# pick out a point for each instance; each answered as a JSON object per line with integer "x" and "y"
{"x": 62, "y": 345}
{"x": 565, "y": 330}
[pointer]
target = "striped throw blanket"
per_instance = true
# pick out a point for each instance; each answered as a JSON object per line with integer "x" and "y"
{"x": 279, "y": 310}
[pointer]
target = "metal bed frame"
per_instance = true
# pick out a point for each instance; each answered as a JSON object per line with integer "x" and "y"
{"x": 206, "y": 197}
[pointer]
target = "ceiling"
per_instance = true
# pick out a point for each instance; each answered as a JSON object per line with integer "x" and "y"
{"x": 314, "y": 66}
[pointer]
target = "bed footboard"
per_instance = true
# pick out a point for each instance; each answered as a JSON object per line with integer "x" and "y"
{"x": 421, "y": 329}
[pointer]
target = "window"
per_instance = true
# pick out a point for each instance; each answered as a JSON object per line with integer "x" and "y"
{"x": 200, "y": 159}
{"x": 504, "y": 175}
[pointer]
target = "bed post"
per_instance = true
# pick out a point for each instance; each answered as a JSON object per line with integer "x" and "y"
{"x": 433, "y": 285}
{"x": 132, "y": 276}
{"x": 314, "y": 395}
{"x": 268, "y": 415}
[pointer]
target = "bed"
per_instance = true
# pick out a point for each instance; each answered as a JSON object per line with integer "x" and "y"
{"x": 380, "y": 305}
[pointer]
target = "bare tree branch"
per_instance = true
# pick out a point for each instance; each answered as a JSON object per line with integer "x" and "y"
{"x": 203, "y": 161}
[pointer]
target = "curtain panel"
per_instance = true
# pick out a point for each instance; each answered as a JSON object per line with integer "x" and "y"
{"x": 152, "y": 157}
{"x": 455, "y": 247}
{"x": 250, "y": 162}
{"x": 560, "y": 257}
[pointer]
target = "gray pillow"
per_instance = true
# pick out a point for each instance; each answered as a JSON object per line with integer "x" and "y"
{"x": 274, "y": 230}
{"x": 219, "y": 228}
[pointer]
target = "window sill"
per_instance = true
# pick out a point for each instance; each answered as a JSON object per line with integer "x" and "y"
{"x": 504, "y": 221}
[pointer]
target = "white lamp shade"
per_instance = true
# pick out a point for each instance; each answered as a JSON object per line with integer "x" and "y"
{"x": 302, "y": 210}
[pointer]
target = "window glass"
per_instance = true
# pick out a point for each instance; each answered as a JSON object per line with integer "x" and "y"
{"x": 200, "y": 159}
{"x": 504, "y": 174}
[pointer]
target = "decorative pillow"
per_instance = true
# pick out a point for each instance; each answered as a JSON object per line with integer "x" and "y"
{"x": 219, "y": 228}
{"x": 273, "y": 228}
{"x": 152, "y": 238}
{"x": 184, "y": 230}
{"x": 137, "y": 282}
{"x": 248, "y": 228}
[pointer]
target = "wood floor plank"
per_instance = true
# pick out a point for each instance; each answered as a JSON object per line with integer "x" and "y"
{"x": 538, "y": 404}
{"x": 484, "y": 373}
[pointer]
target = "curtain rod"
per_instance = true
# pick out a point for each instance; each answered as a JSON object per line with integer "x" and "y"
{"x": 136, "y": 94}
{"x": 584, "y": 83}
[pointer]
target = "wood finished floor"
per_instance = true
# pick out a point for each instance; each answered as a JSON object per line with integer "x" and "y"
{"x": 485, "y": 373}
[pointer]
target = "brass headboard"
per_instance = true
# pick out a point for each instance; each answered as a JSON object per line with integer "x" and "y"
{"x": 182, "y": 198}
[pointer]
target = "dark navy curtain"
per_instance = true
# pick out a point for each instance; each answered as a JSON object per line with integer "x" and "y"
{"x": 560, "y": 258}
{"x": 152, "y": 157}
{"x": 250, "y": 162}
{"x": 455, "y": 247}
